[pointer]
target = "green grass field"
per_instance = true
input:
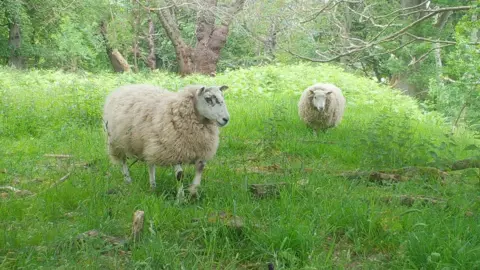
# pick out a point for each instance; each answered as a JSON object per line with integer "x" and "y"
{"x": 318, "y": 220}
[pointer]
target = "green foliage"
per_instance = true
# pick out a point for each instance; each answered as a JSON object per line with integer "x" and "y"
{"x": 460, "y": 97}
{"x": 75, "y": 45}
{"x": 318, "y": 220}
{"x": 57, "y": 33}
{"x": 397, "y": 140}
{"x": 239, "y": 51}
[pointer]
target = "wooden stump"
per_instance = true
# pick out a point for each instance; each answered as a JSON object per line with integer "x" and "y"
{"x": 137, "y": 226}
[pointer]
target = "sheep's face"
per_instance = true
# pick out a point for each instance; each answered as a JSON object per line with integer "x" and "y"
{"x": 319, "y": 99}
{"x": 211, "y": 104}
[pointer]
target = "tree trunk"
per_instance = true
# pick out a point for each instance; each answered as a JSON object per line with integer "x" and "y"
{"x": 151, "y": 58}
{"x": 438, "y": 59}
{"x": 345, "y": 31}
{"x": 270, "y": 42}
{"x": 119, "y": 63}
{"x": 209, "y": 45}
{"x": 182, "y": 50}
{"x": 211, "y": 38}
{"x": 135, "y": 26}
{"x": 474, "y": 34}
{"x": 440, "y": 24}
{"x": 14, "y": 43}
{"x": 414, "y": 3}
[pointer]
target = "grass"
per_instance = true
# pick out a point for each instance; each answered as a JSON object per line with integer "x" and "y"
{"x": 319, "y": 220}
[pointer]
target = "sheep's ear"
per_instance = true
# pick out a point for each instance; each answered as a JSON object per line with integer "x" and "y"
{"x": 312, "y": 91}
{"x": 329, "y": 92}
{"x": 201, "y": 90}
{"x": 223, "y": 88}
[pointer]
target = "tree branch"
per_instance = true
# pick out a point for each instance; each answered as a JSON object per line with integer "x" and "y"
{"x": 162, "y": 8}
{"x": 257, "y": 37}
{"x": 404, "y": 9}
{"x": 433, "y": 12}
{"x": 205, "y": 20}
{"x": 235, "y": 8}
{"x": 376, "y": 41}
{"x": 171, "y": 27}
{"x": 438, "y": 41}
{"x": 389, "y": 51}
{"x": 327, "y": 6}
{"x": 427, "y": 53}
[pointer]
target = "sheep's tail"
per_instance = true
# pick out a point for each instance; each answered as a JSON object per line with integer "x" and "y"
{"x": 110, "y": 149}
{"x": 105, "y": 125}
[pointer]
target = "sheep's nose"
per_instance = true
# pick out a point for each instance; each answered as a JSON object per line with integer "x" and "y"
{"x": 225, "y": 119}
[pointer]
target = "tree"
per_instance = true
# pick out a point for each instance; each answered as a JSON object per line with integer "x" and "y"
{"x": 13, "y": 14}
{"x": 211, "y": 36}
{"x": 119, "y": 63}
{"x": 390, "y": 35}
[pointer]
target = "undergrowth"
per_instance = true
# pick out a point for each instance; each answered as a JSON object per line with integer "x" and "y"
{"x": 318, "y": 220}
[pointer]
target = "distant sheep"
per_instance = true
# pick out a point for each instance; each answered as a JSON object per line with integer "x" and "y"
{"x": 165, "y": 128}
{"x": 321, "y": 106}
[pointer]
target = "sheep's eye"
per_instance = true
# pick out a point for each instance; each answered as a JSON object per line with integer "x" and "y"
{"x": 208, "y": 100}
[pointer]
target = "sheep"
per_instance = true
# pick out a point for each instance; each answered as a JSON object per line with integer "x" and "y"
{"x": 164, "y": 128}
{"x": 321, "y": 106}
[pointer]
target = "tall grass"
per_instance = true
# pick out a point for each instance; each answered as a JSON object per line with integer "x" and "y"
{"x": 319, "y": 220}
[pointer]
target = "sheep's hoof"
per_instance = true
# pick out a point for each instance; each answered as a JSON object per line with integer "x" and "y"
{"x": 153, "y": 187}
{"x": 128, "y": 180}
{"x": 193, "y": 192}
{"x": 179, "y": 175}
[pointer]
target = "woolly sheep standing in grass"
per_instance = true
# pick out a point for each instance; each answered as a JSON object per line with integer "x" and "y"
{"x": 165, "y": 128}
{"x": 321, "y": 106}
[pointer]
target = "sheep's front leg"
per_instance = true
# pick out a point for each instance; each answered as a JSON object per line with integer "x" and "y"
{"x": 178, "y": 172}
{"x": 179, "y": 176}
{"x": 151, "y": 174}
{"x": 199, "y": 166}
{"x": 126, "y": 172}
{"x": 315, "y": 133}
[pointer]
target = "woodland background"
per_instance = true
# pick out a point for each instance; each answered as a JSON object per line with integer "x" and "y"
{"x": 426, "y": 48}
{"x": 395, "y": 186}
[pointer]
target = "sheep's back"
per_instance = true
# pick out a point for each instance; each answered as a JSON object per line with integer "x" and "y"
{"x": 128, "y": 115}
{"x": 180, "y": 137}
{"x": 158, "y": 126}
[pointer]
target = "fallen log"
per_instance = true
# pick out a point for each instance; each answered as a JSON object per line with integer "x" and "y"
{"x": 266, "y": 190}
{"x": 465, "y": 164}
{"x": 58, "y": 155}
{"x": 18, "y": 192}
{"x": 396, "y": 175}
{"x": 374, "y": 176}
{"x": 409, "y": 200}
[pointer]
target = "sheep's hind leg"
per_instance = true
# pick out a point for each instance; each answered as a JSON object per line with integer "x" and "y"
{"x": 199, "y": 166}
{"x": 126, "y": 172}
{"x": 151, "y": 175}
{"x": 179, "y": 176}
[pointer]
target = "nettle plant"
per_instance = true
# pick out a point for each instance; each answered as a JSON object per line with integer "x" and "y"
{"x": 395, "y": 140}
{"x": 271, "y": 133}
